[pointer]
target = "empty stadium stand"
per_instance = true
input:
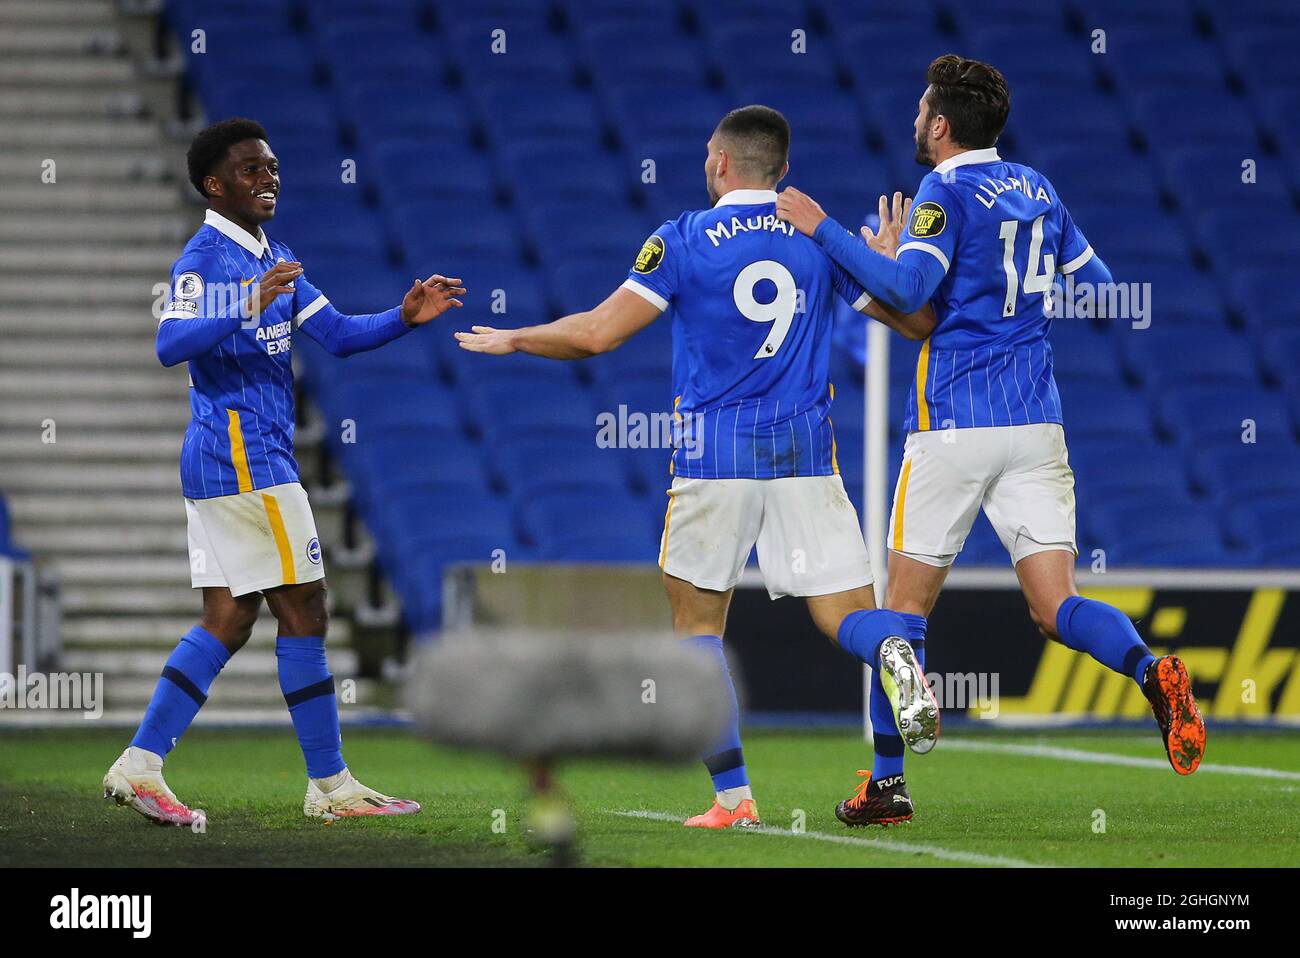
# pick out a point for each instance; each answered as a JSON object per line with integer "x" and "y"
{"x": 528, "y": 173}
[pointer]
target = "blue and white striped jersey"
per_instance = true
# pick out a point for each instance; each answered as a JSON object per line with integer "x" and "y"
{"x": 753, "y": 320}
{"x": 1001, "y": 235}
{"x": 240, "y": 435}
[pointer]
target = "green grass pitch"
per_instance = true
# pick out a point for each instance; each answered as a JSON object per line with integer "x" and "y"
{"x": 980, "y": 800}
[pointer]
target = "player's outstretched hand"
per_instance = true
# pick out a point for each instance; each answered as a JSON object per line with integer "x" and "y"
{"x": 892, "y": 224}
{"x": 485, "y": 339}
{"x": 274, "y": 282}
{"x": 799, "y": 210}
{"x": 431, "y": 298}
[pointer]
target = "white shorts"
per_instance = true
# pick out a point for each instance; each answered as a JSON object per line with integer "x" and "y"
{"x": 1020, "y": 475}
{"x": 807, "y": 532}
{"x": 253, "y": 541}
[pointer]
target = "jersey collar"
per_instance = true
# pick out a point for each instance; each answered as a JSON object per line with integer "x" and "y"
{"x": 238, "y": 234}
{"x": 746, "y": 198}
{"x": 967, "y": 158}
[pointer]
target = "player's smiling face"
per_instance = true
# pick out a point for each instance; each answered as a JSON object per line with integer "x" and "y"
{"x": 247, "y": 183}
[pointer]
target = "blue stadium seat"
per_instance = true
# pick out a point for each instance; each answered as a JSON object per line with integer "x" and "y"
{"x": 616, "y": 523}
{"x": 535, "y": 406}
{"x": 693, "y": 117}
{"x": 1266, "y": 59}
{"x": 1253, "y": 295}
{"x": 327, "y": 227}
{"x": 1120, "y": 178}
{"x": 1248, "y": 471}
{"x": 563, "y": 172}
{"x": 1170, "y": 118}
{"x": 586, "y": 14}
{"x": 1230, "y": 237}
{"x": 871, "y": 49}
{"x": 522, "y": 111}
{"x": 527, "y": 466}
{"x": 415, "y": 170}
{"x": 1223, "y": 413}
{"x": 622, "y": 53}
{"x": 1153, "y": 57}
{"x": 530, "y": 57}
{"x": 396, "y": 17}
{"x": 1160, "y": 530}
{"x": 1033, "y": 50}
{"x": 829, "y": 118}
{"x": 749, "y": 54}
{"x": 1177, "y": 15}
{"x": 1082, "y": 353}
{"x": 383, "y": 110}
{"x": 585, "y": 231}
{"x": 1168, "y": 356}
{"x": 358, "y": 53}
{"x": 1115, "y": 467}
{"x": 1270, "y": 527}
{"x": 1097, "y": 410}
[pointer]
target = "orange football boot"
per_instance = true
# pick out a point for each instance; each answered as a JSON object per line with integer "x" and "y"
{"x": 745, "y": 815}
{"x": 1169, "y": 690}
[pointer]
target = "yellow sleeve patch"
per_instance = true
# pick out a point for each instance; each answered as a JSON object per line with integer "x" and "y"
{"x": 928, "y": 220}
{"x": 651, "y": 255}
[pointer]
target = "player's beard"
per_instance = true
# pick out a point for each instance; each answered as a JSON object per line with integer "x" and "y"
{"x": 923, "y": 154}
{"x": 714, "y": 195}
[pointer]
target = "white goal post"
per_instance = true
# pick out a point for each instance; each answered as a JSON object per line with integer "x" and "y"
{"x": 875, "y": 491}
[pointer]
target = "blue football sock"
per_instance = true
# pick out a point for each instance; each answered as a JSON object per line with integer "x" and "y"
{"x": 1105, "y": 633}
{"x": 887, "y": 743}
{"x": 862, "y": 632}
{"x": 308, "y": 690}
{"x": 181, "y": 691}
{"x": 725, "y": 761}
{"x": 885, "y": 740}
{"x": 915, "y": 634}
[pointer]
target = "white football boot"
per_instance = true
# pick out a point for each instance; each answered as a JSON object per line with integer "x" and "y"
{"x": 342, "y": 796}
{"x": 910, "y": 697}
{"x": 136, "y": 779}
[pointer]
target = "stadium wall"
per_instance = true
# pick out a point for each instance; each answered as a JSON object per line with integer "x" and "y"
{"x": 1238, "y": 631}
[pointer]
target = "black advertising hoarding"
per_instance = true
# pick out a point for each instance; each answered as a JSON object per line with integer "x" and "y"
{"x": 1239, "y": 638}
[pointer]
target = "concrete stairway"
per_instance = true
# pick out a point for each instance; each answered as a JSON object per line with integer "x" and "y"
{"x": 90, "y": 423}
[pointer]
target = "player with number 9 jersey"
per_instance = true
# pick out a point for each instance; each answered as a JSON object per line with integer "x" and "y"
{"x": 751, "y": 340}
{"x": 753, "y": 463}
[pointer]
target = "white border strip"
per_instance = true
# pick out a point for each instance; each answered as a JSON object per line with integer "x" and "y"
{"x": 1077, "y": 262}
{"x": 1005, "y": 578}
{"x": 905, "y": 848}
{"x": 646, "y": 293}
{"x": 928, "y": 248}
{"x": 1107, "y": 758}
{"x": 310, "y": 310}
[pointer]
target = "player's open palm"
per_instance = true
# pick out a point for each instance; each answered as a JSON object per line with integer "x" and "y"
{"x": 431, "y": 298}
{"x": 893, "y": 220}
{"x": 485, "y": 339}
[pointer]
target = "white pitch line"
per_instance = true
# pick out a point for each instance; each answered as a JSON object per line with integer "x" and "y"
{"x": 905, "y": 848}
{"x": 1105, "y": 758}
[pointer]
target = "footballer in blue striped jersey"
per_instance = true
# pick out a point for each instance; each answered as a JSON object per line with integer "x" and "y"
{"x": 986, "y": 239}
{"x": 237, "y": 299}
{"x": 753, "y": 305}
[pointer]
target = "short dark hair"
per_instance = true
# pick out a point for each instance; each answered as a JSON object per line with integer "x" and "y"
{"x": 972, "y": 96}
{"x": 214, "y": 142}
{"x": 760, "y": 137}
